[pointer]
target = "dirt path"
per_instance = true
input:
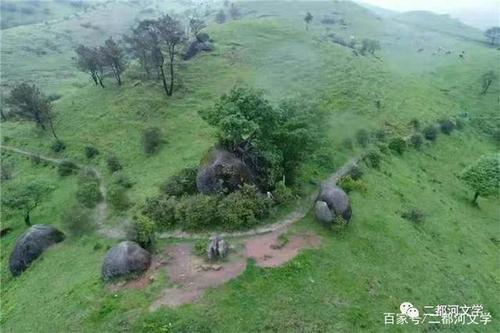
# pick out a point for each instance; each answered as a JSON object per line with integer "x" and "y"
{"x": 101, "y": 210}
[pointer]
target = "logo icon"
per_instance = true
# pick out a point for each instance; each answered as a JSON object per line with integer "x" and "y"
{"x": 409, "y": 310}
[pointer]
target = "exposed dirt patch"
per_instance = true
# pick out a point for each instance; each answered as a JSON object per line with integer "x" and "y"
{"x": 143, "y": 280}
{"x": 271, "y": 251}
{"x": 192, "y": 275}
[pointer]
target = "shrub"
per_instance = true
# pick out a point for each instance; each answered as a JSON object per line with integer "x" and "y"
{"x": 181, "y": 183}
{"x": 200, "y": 247}
{"x": 58, "y": 146}
{"x": 380, "y": 135}
{"x": 202, "y": 37}
{"x": 151, "y": 140}
{"x": 430, "y": 133}
{"x": 356, "y": 172}
{"x": 362, "y": 137}
{"x": 281, "y": 193}
{"x": 417, "y": 140}
{"x": 118, "y": 198}
{"x": 113, "y": 164}
{"x": 415, "y": 123}
{"x": 447, "y": 126}
{"x": 88, "y": 192}
{"x": 122, "y": 180}
{"x": 413, "y": 215}
{"x": 66, "y": 168}
{"x": 372, "y": 159}
{"x": 349, "y": 185}
{"x": 77, "y": 220}
{"x": 91, "y": 152}
{"x": 142, "y": 232}
{"x": 161, "y": 210}
{"x": 347, "y": 143}
{"x": 54, "y": 97}
{"x": 398, "y": 145}
{"x": 5, "y": 173}
{"x": 197, "y": 212}
{"x": 459, "y": 124}
{"x": 243, "y": 209}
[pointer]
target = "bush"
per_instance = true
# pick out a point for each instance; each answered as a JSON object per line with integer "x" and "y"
{"x": 118, "y": 198}
{"x": 281, "y": 193}
{"x": 200, "y": 247}
{"x": 347, "y": 143}
{"x": 142, "y": 231}
{"x": 88, "y": 192}
{"x": 161, "y": 210}
{"x": 348, "y": 184}
{"x": 77, "y": 220}
{"x": 53, "y": 97}
{"x": 459, "y": 124}
{"x": 122, "y": 180}
{"x": 243, "y": 209}
{"x": 380, "y": 135}
{"x": 58, "y": 146}
{"x": 372, "y": 159}
{"x": 447, "y": 126}
{"x": 202, "y": 37}
{"x": 417, "y": 140}
{"x": 415, "y": 123}
{"x": 398, "y": 145}
{"x": 430, "y": 133}
{"x": 362, "y": 137}
{"x": 182, "y": 183}
{"x": 66, "y": 168}
{"x": 356, "y": 172}
{"x": 151, "y": 140}
{"x": 113, "y": 164}
{"x": 413, "y": 215}
{"x": 91, "y": 152}
{"x": 197, "y": 212}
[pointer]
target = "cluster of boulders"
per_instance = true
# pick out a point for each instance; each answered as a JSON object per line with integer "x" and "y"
{"x": 222, "y": 171}
{"x": 32, "y": 243}
{"x": 217, "y": 248}
{"x": 332, "y": 203}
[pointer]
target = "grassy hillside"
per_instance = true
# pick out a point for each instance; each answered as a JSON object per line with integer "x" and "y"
{"x": 359, "y": 273}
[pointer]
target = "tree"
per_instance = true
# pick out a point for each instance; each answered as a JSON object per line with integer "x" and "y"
{"x": 271, "y": 140}
{"x": 26, "y": 197}
{"x": 483, "y": 177}
{"x": 196, "y": 25}
{"x": 487, "y": 79}
{"x": 493, "y": 35}
{"x": 308, "y": 19}
{"x": 220, "y": 17}
{"x": 369, "y": 45}
{"x": 27, "y": 102}
{"x": 113, "y": 57}
{"x": 89, "y": 61}
{"x": 138, "y": 45}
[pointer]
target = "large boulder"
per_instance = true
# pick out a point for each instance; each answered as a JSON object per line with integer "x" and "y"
{"x": 322, "y": 212}
{"x": 217, "y": 248}
{"x": 222, "y": 171}
{"x": 31, "y": 245}
{"x": 196, "y": 47}
{"x": 336, "y": 200}
{"x": 125, "y": 259}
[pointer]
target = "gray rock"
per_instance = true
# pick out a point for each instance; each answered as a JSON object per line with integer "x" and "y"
{"x": 336, "y": 199}
{"x": 217, "y": 248}
{"x": 196, "y": 47}
{"x": 124, "y": 259}
{"x": 222, "y": 171}
{"x": 322, "y": 212}
{"x": 31, "y": 245}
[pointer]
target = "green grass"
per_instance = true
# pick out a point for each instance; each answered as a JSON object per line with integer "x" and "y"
{"x": 369, "y": 268}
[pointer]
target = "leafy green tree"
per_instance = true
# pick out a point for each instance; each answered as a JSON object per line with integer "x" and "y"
{"x": 271, "y": 140}
{"x": 483, "y": 177}
{"x": 369, "y": 45}
{"x": 308, "y": 19}
{"x": 26, "y": 197}
{"x": 493, "y": 35}
{"x": 27, "y": 102}
{"x": 89, "y": 60}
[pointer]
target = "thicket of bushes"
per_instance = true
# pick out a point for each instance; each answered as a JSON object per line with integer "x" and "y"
{"x": 88, "y": 192}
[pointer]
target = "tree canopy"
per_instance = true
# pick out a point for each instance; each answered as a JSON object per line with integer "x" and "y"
{"x": 483, "y": 177}
{"x": 493, "y": 35}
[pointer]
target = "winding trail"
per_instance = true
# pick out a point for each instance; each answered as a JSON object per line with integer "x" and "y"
{"x": 101, "y": 210}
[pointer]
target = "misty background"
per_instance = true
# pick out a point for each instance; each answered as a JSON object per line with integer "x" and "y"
{"x": 481, "y": 14}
